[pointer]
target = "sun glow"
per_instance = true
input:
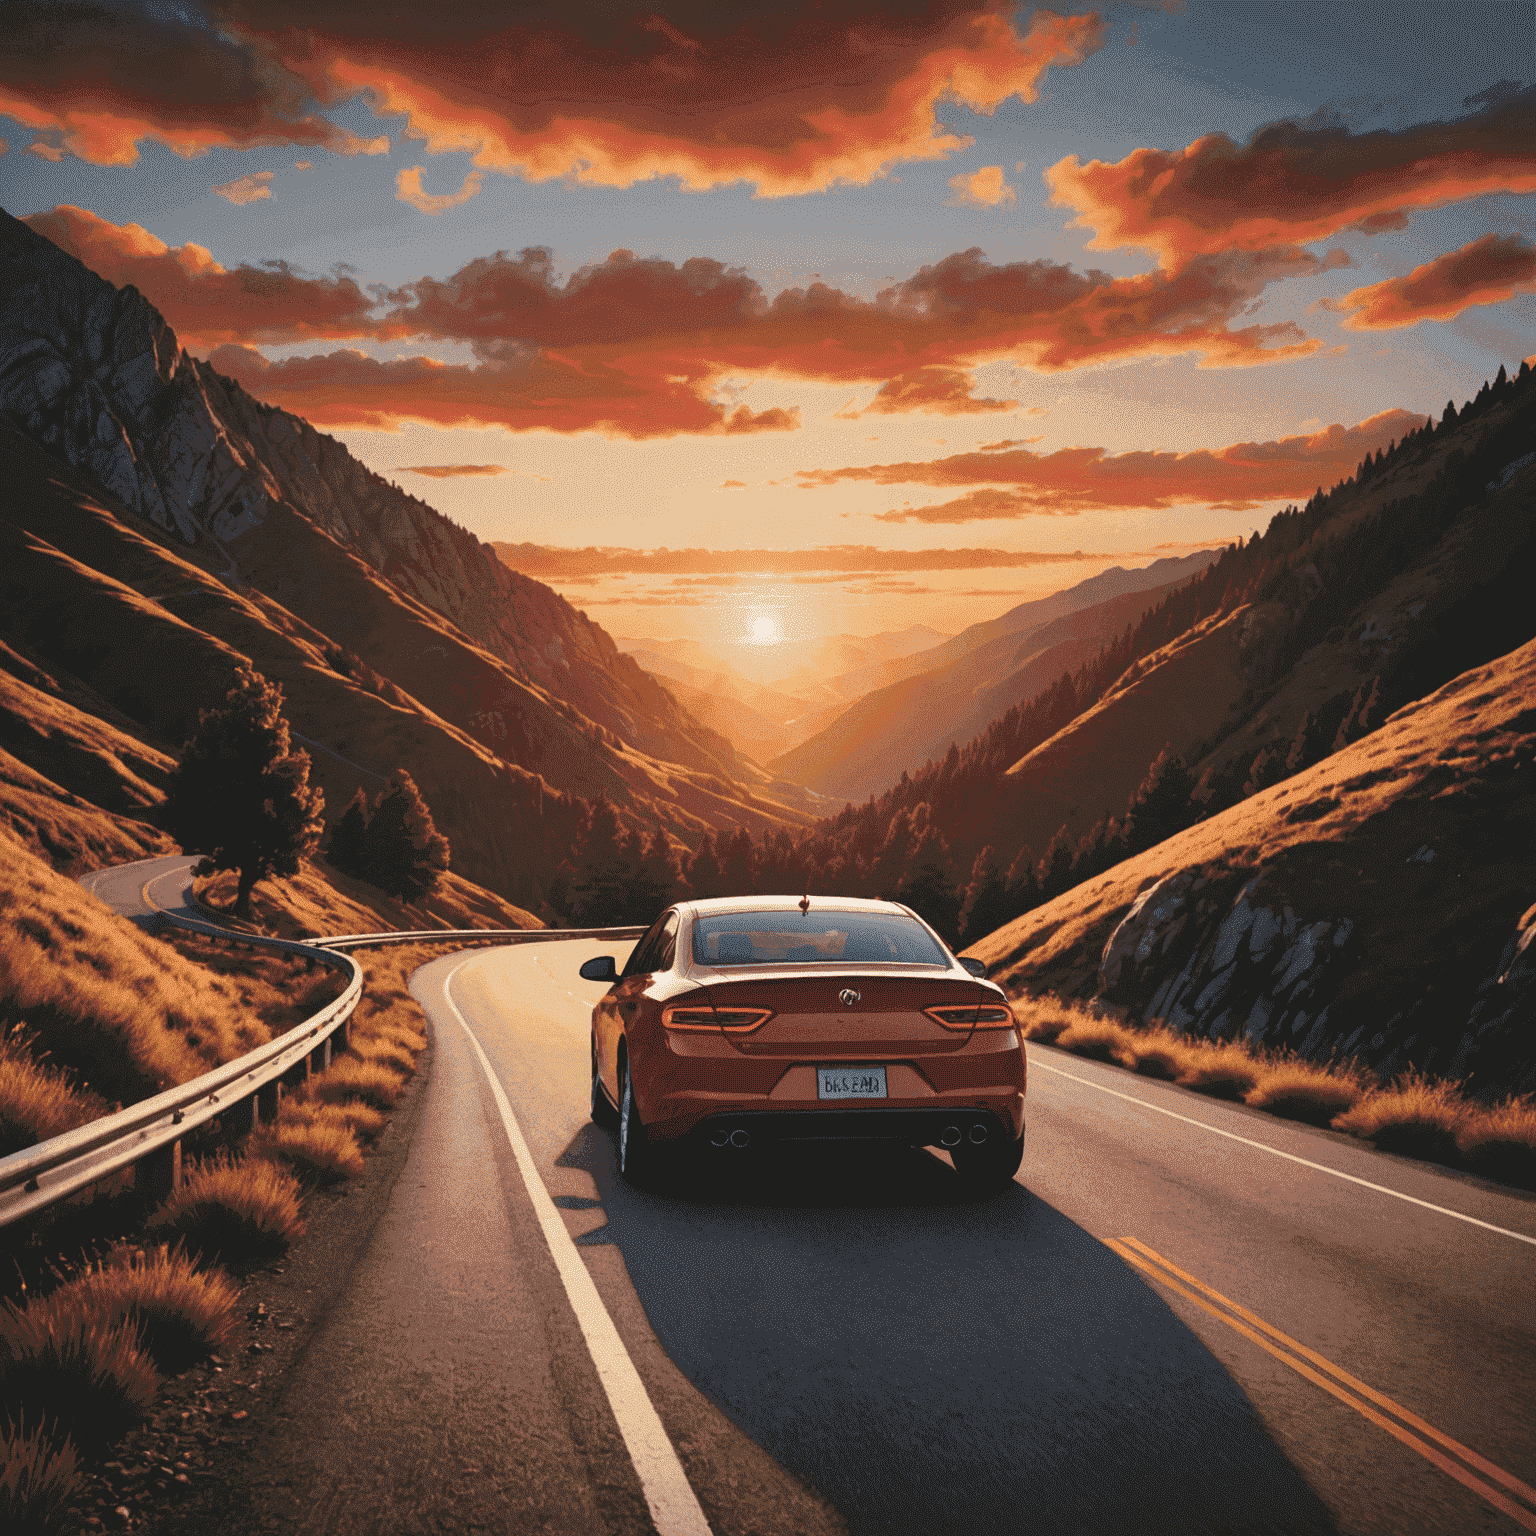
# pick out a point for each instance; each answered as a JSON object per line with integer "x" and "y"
{"x": 765, "y": 632}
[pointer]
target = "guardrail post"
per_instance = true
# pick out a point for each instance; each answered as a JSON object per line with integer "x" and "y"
{"x": 245, "y": 1114}
{"x": 159, "y": 1174}
{"x": 268, "y": 1097}
{"x": 320, "y": 1057}
{"x": 298, "y": 1074}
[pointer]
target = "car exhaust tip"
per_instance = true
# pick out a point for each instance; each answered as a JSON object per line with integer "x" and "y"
{"x": 720, "y": 1137}
{"x": 739, "y": 1138}
{"x": 978, "y": 1135}
{"x": 950, "y": 1136}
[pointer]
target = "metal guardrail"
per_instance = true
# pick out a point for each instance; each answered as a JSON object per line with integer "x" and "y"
{"x": 147, "y": 1135}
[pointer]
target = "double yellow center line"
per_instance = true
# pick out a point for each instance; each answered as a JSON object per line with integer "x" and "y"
{"x": 1466, "y": 1466}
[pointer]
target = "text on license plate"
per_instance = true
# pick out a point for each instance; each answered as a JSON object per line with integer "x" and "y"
{"x": 850, "y": 1082}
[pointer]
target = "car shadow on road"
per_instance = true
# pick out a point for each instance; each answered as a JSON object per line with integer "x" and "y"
{"x": 935, "y": 1364}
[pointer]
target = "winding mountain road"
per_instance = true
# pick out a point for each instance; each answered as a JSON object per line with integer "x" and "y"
{"x": 1183, "y": 1316}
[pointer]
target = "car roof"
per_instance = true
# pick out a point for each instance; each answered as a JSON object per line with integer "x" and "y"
{"x": 704, "y": 906}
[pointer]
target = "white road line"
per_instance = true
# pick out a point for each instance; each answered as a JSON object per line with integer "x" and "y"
{"x": 673, "y": 1504}
{"x": 1291, "y": 1157}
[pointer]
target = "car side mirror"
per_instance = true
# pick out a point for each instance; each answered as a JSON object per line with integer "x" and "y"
{"x": 974, "y": 966}
{"x": 601, "y": 968}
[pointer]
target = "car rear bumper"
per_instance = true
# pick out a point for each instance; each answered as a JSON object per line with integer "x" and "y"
{"x": 911, "y": 1127}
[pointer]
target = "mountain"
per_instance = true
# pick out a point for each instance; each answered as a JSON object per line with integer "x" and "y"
{"x": 94, "y": 375}
{"x": 1376, "y": 905}
{"x": 1021, "y": 621}
{"x": 1285, "y": 649}
{"x": 160, "y": 526}
{"x": 897, "y": 728}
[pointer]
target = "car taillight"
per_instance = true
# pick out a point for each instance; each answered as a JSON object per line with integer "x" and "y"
{"x": 973, "y": 1016}
{"x": 737, "y": 1020}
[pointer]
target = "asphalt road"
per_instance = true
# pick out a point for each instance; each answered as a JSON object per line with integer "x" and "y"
{"x": 141, "y": 891}
{"x": 843, "y": 1341}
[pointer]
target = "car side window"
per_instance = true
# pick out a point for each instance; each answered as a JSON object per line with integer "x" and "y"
{"x": 666, "y": 945}
{"x": 642, "y": 958}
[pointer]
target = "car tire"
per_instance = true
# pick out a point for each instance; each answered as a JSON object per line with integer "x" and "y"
{"x": 603, "y": 1113}
{"x": 634, "y": 1152}
{"x": 989, "y": 1167}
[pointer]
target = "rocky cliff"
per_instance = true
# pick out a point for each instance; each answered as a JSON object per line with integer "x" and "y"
{"x": 93, "y": 374}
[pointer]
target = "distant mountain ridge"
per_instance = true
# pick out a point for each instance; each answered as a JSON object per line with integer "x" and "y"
{"x": 952, "y": 692}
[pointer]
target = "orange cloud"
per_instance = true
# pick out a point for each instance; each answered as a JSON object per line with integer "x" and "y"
{"x": 349, "y": 389}
{"x": 248, "y": 189}
{"x": 936, "y": 391}
{"x": 1488, "y": 271}
{"x": 982, "y": 189}
{"x": 790, "y": 101}
{"x": 452, "y": 471}
{"x": 102, "y": 79}
{"x": 1072, "y": 480}
{"x": 408, "y": 189}
{"x": 205, "y": 303}
{"x": 1293, "y": 183}
{"x": 550, "y": 562}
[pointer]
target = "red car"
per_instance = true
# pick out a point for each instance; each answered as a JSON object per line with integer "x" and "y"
{"x": 755, "y": 1020}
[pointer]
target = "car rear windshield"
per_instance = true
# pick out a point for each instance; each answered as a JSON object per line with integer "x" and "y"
{"x": 813, "y": 938}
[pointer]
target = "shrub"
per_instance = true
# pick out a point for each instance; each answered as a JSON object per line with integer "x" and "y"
{"x": 1159, "y": 1053}
{"x": 181, "y": 1315}
{"x": 320, "y": 1150}
{"x": 1223, "y": 1071}
{"x": 1297, "y": 1090}
{"x": 37, "y": 1477}
{"x": 1414, "y": 1116}
{"x": 62, "y": 1365}
{"x": 37, "y": 1101}
{"x": 236, "y": 1212}
{"x": 371, "y": 1082}
{"x": 363, "y": 1120}
{"x": 1500, "y": 1142}
{"x": 1098, "y": 1039}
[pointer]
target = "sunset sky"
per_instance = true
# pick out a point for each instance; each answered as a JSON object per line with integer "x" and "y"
{"x": 975, "y": 300}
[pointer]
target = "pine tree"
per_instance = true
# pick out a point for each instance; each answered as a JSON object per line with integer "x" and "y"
{"x": 985, "y": 906}
{"x": 927, "y": 884}
{"x": 241, "y": 795}
{"x": 599, "y": 891}
{"x": 1054, "y": 874}
{"x": 658, "y": 878}
{"x": 1161, "y": 806}
{"x": 345, "y": 848}
{"x": 703, "y": 870}
{"x": 1021, "y": 885}
{"x": 738, "y": 864}
{"x": 403, "y": 852}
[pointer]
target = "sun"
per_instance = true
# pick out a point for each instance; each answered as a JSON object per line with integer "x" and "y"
{"x": 764, "y": 632}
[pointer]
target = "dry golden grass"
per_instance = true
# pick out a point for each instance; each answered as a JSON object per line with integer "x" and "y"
{"x": 1414, "y": 1115}
{"x": 236, "y": 1213}
{"x": 1097, "y": 1039}
{"x": 351, "y": 1079}
{"x": 124, "y": 1012}
{"x": 37, "y": 1477}
{"x": 61, "y": 1365}
{"x": 1500, "y": 1141}
{"x": 317, "y": 1149}
{"x": 1160, "y": 1053}
{"x": 1298, "y": 1090}
{"x": 1044, "y": 1018}
{"x": 180, "y": 1313}
{"x": 37, "y": 1101}
{"x": 1225, "y": 1071}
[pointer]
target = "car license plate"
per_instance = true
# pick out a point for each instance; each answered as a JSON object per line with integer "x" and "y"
{"x": 850, "y": 1082}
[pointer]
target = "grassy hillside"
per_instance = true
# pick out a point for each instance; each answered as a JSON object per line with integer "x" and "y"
{"x": 1368, "y": 906}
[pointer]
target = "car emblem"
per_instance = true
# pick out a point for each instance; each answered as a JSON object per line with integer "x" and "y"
{"x": 848, "y": 997}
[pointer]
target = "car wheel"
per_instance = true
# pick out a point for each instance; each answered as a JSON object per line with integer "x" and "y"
{"x": 990, "y": 1166}
{"x": 602, "y": 1112}
{"x": 633, "y": 1152}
